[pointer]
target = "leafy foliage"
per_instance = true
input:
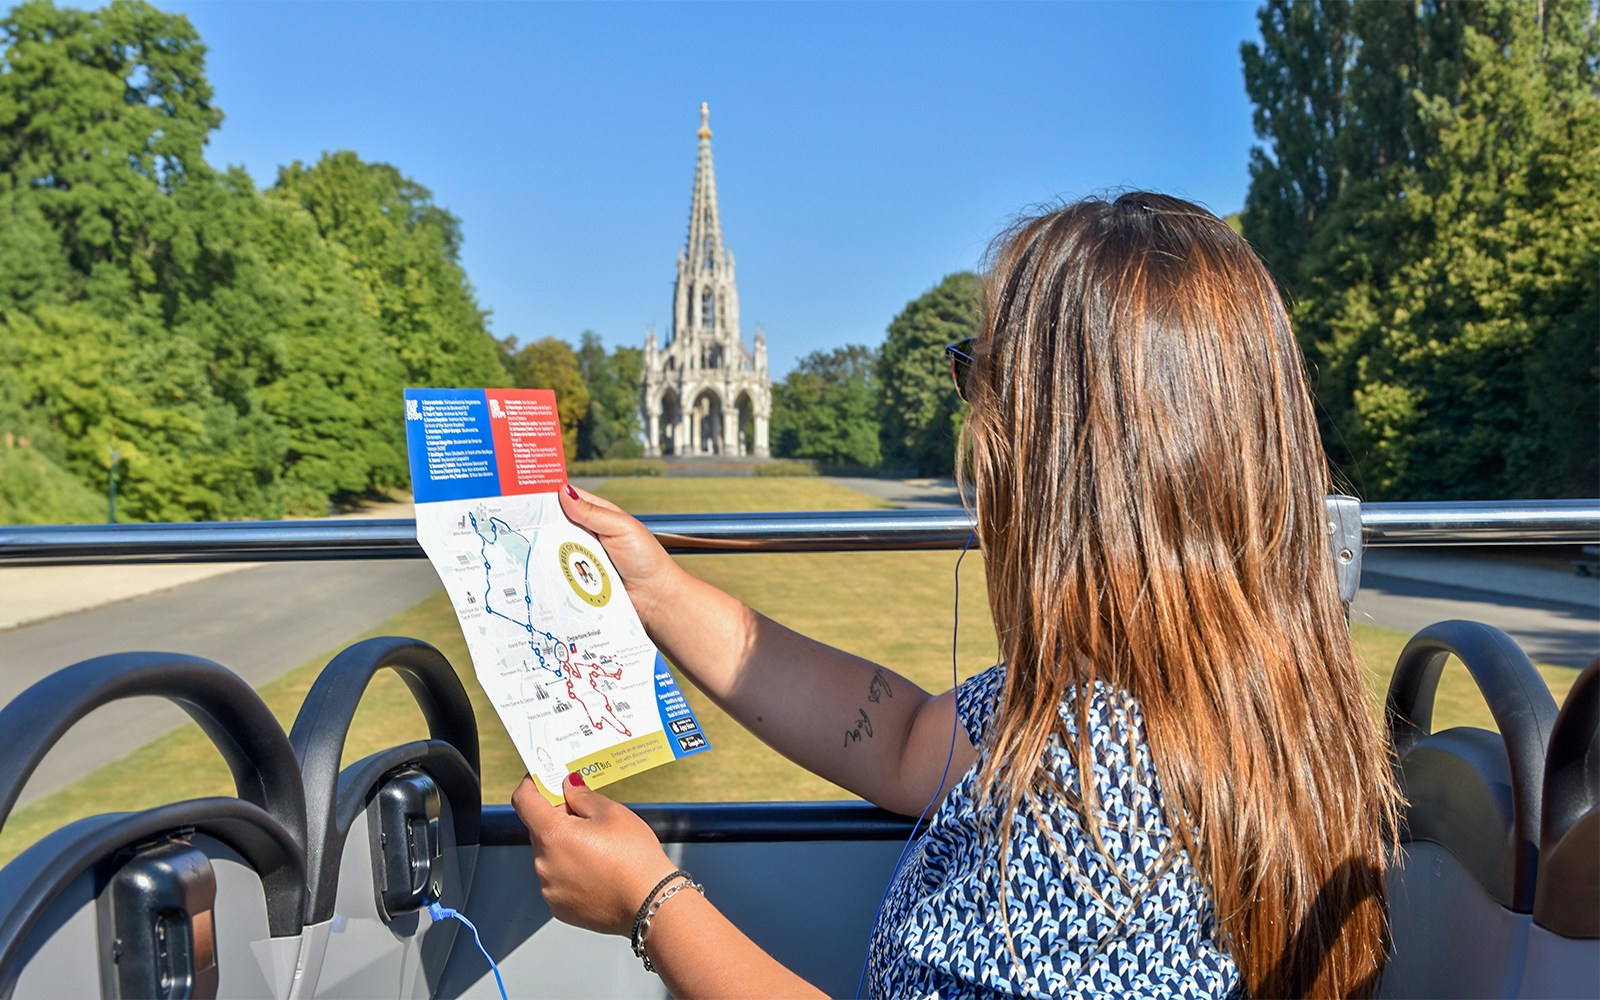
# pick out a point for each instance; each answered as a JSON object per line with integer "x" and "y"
{"x": 1297, "y": 80}
{"x": 921, "y": 413}
{"x": 403, "y": 250}
{"x": 783, "y": 468}
{"x": 1445, "y": 236}
{"x": 241, "y": 352}
{"x": 35, "y": 490}
{"x": 827, "y": 409}
{"x": 609, "y": 467}
{"x": 611, "y": 427}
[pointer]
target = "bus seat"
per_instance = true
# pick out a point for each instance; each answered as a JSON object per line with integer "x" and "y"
{"x": 1564, "y": 942}
{"x": 203, "y": 897}
{"x": 1461, "y": 892}
{"x": 390, "y": 832}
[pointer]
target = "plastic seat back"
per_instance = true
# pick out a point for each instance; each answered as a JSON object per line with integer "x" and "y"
{"x": 1564, "y": 942}
{"x": 203, "y": 897}
{"x": 1461, "y": 893}
{"x": 390, "y": 832}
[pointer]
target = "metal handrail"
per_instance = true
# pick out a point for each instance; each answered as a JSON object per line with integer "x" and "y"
{"x": 1491, "y": 522}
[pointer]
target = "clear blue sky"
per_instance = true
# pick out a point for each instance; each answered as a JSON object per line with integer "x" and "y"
{"x": 863, "y": 151}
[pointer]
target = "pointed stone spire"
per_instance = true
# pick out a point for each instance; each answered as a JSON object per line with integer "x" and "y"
{"x": 701, "y": 391}
{"x": 705, "y": 221}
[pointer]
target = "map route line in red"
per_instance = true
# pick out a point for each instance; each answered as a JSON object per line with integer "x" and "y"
{"x": 595, "y": 673}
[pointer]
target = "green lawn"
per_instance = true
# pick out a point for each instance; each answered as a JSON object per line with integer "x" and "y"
{"x": 895, "y": 608}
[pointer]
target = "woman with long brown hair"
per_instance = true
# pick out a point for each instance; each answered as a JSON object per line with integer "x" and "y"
{"x": 1171, "y": 783}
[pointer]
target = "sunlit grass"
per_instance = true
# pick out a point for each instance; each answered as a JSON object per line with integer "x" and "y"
{"x": 722, "y": 496}
{"x": 894, "y": 608}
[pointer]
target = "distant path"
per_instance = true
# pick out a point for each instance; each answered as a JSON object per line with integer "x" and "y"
{"x": 259, "y": 622}
{"x": 1557, "y": 624}
{"x": 36, "y": 593}
{"x": 905, "y": 492}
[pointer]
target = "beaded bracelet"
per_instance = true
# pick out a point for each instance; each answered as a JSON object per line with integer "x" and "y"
{"x": 652, "y": 907}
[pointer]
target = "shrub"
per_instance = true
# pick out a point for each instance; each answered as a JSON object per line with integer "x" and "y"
{"x": 785, "y": 467}
{"x": 618, "y": 467}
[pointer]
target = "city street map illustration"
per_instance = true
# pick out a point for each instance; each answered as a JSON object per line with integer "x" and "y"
{"x": 554, "y": 640}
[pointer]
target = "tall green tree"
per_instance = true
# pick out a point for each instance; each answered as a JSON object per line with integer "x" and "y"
{"x": 334, "y": 386}
{"x": 1296, "y": 79}
{"x": 103, "y": 120}
{"x": 101, "y": 114}
{"x": 1447, "y": 293}
{"x": 242, "y": 354}
{"x": 827, "y": 408}
{"x": 404, "y": 251}
{"x": 146, "y": 399}
{"x": 610, "y": 428}
{"x": 552, "y": 364}
{"x": 920, "y": 411}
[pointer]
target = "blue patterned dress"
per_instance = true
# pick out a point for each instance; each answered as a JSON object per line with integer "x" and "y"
{"x": 1132, "y": 921}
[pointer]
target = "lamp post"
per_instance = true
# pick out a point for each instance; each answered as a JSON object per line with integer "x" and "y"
{"x": 111, "y": 489}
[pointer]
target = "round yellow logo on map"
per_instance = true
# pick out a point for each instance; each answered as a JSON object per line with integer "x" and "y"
{"x": 585, "y": 574}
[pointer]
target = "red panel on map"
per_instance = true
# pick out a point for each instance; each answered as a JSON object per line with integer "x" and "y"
{"x": 527, "y": 440}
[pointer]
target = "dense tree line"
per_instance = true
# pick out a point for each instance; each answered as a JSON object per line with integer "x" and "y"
{"x": 227, "y": 351}
{"x": 893, "y": 407}
{"x": 827, "y": 409}
{"x": 1428, "y": 188}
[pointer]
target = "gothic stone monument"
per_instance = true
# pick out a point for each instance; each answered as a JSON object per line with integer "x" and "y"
{"x": 702, "y": 392}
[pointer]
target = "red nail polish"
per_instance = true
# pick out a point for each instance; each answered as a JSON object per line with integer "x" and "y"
{"x": 576, "y": 779}
{"x": 572, "y": 492}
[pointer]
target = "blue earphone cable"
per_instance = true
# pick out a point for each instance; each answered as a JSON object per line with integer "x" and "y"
{"x": 439, "y": 913}
{"x": 955, "y": 632}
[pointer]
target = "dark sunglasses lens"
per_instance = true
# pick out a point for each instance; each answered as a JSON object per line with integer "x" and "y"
{"x": 960, "y": 368}
{"x": 960, "y": 355}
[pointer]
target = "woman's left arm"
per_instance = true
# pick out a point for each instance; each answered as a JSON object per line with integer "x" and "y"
{"x": 596, "y": 860}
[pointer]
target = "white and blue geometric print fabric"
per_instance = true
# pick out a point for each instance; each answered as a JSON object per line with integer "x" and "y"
{"x": 1131, "y": 921}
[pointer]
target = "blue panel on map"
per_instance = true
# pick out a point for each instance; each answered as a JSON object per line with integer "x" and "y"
{"x": 683, "y": 731}
{"x": 450, "y": 444}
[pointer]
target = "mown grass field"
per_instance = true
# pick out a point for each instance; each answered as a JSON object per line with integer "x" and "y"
{"x": 895, "y": 608}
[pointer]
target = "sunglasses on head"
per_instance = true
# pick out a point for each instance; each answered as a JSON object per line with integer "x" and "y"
{"x": 960, "y": 355}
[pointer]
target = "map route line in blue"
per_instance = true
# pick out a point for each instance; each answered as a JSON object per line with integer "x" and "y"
{"x": 526, "y": 624}
{"x": 496, "y": 525}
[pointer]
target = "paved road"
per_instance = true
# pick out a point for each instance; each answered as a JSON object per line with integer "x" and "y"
{"x": 259, "y": 622}
{"x": 1565, "y": 634}
{"x": 906, "y": 492}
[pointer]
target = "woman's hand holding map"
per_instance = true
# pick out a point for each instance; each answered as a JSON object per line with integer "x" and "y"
{"x": 646, "y": 569}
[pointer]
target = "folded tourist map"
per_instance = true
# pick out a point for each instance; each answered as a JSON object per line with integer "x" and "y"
{"x": 554, "y": 639}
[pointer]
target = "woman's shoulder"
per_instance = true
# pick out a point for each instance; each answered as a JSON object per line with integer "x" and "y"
{"x": 1117, "y": 911}
{"x": 1111, "y": 714}
{"x": 978, "y": 701}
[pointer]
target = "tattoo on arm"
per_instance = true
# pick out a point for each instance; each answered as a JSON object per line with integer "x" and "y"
{"x": 878, "y": 688}
{"x": 863, "y": 726}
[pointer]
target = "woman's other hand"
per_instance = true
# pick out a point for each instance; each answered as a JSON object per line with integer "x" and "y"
{"x": 647, "y": 571}
{"x": 595, "y": 858}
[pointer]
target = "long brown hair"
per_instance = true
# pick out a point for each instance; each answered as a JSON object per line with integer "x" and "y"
{"x": 1150, "y": 502}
